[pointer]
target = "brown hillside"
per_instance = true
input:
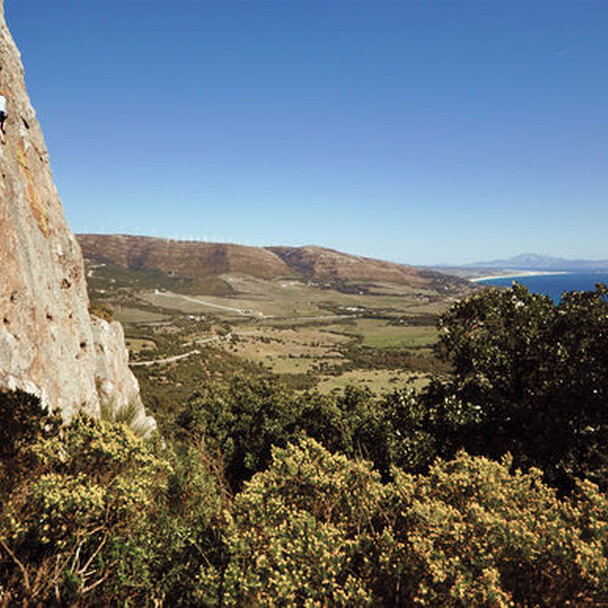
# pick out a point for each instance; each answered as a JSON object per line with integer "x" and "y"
{"x": 198, "y": 260}
{"x": 334, "y": 267}
{"x": 329, "y": 265}
{"x": 185, "y": 259}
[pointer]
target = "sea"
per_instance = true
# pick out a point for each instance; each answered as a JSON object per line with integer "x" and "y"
{"x": 553, "y": 285}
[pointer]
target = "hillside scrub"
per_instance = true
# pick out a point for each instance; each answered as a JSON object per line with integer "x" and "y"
{"x": 263, "y": 496}
{"x": 104, "y": 518}
{"x": 97, "y": 517}
{"x": 317, "y": 529}
{"x": 243, "y": 419}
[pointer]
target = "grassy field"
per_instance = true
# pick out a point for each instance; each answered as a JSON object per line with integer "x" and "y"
{"x": 378, "y": 381}
{"x": 128, "y": 315}
{"x": 293, "y": 350}
{"x": 324, "y": 338}
{"x": 136, "y": 345}
{"x": 378, "y": 333}
{"x": 405, "y": 337}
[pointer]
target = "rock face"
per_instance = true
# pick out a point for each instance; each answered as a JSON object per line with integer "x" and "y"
{"x": 49, "y": 344}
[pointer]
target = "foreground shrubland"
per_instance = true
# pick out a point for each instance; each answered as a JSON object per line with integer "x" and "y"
{"x": 259, "y": 496}
{"x": 319, "y": 529}
{"x": 100, "y": 518}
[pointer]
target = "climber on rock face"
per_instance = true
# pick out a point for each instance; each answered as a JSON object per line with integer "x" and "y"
{"x": 2, "y": 116}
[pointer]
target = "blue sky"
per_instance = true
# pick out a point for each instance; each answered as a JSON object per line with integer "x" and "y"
{"x": 420, "y": 132}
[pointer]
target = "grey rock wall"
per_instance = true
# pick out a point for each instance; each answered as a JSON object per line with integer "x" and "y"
{"x": 49, "y": 344}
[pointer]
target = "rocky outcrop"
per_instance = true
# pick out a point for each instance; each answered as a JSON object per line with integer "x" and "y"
{"x": 49, "y": 345}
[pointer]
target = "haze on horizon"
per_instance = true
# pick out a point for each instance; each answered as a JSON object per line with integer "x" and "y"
{"x": 416, "y": 132}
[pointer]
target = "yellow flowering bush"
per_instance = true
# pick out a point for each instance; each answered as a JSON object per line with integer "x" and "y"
{"x": 79, "y": 522}
{"x": 317, "y": 529}
{"x": 299, "y": 530}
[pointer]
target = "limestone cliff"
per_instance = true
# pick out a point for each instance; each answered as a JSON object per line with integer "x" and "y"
{"x": 49, "y": 344}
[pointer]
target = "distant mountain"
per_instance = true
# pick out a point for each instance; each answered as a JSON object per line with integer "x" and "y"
{"x": 533, "y": 261}
{"x": 201, "y": 266}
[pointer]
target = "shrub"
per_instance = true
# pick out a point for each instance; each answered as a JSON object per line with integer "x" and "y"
{"x": 78, "y": 524}
{"x": 299, "y": 530}
{"x": 317, "y": 529}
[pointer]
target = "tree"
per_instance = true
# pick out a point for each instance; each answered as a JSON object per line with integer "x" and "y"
{"x": 530, "y": 378}
{"x": 244, "y": 419}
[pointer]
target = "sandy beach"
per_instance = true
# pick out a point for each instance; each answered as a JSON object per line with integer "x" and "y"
{"x": 513, "y": 274}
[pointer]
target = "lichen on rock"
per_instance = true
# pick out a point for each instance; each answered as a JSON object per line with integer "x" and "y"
{"x": 49, "y": 344}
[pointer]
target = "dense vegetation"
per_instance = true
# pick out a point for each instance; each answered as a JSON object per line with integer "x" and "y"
{"x": 487, "y": 488}
{"x": 531, "y": 378}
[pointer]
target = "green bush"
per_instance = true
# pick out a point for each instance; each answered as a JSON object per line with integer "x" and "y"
{"x": 300, "y": 529}
{"x": 102, "y": 311}
{"x": 78, "y": 524}
{"x": 530, "y": 378}
{"x": 93, "y": 515}
{"x": 320, "y": 530}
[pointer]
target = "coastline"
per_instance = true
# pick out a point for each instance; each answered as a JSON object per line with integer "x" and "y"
{"x": 514, "y": 274}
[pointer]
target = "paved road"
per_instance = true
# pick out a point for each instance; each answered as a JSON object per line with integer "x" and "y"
{"x": 165, "y": 360}
{"x": 178, "y": 357}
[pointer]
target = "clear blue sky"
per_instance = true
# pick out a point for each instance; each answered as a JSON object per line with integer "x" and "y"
{"x": 420, "y": 132}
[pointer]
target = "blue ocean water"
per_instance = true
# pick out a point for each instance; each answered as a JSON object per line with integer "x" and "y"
{"x": 554, "y": 285}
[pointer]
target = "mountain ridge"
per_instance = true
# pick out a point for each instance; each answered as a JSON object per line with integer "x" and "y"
{"x": 205, "y": 262}
{"x": 534, "y": 261}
